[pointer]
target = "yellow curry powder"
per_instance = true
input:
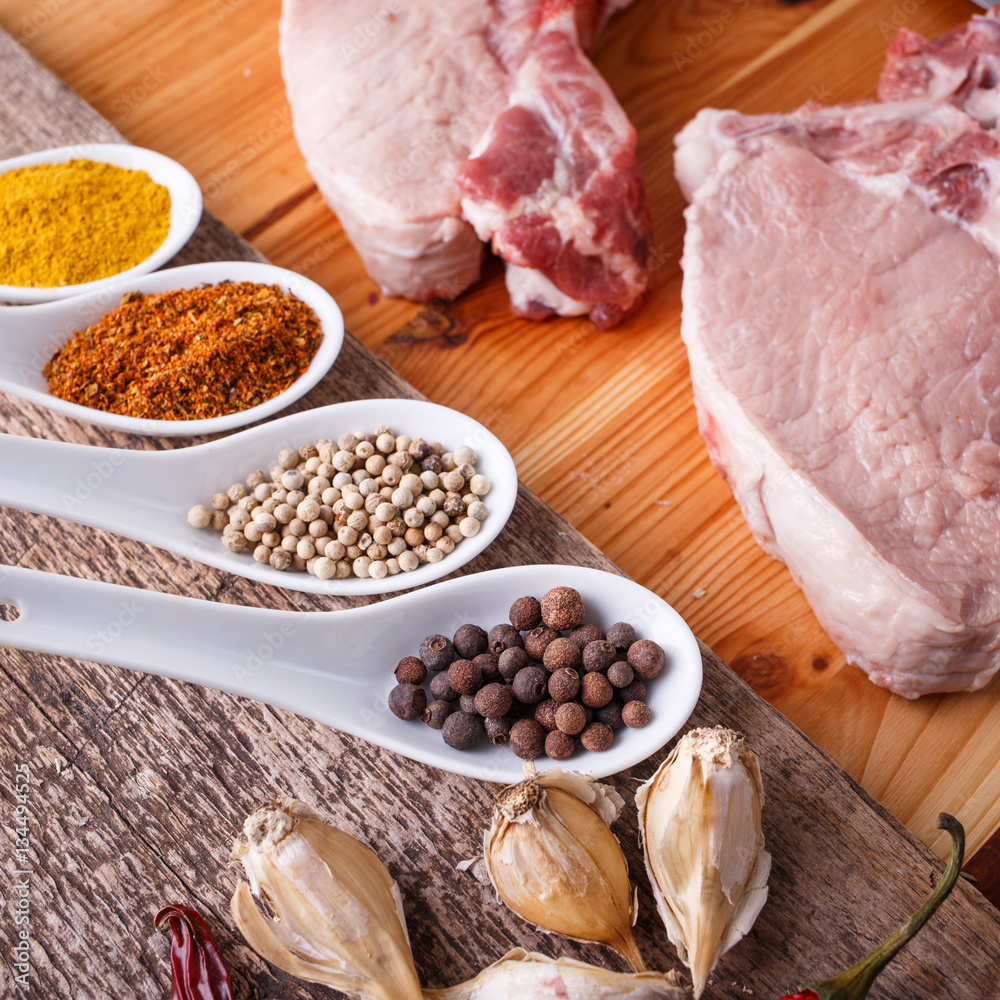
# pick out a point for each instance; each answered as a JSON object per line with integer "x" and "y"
{"x": 67, "y": 223}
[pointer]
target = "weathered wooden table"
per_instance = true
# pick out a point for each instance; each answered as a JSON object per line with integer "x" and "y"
{"x": 139, "y": 784}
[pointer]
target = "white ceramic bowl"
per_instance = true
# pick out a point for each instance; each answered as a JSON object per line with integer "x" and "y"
{"x": 185, "y": 211}
{"x": 29, "y": 335}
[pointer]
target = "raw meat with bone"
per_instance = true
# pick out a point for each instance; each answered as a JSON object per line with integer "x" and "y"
{"x": 556, "y": 186}
{"x": 840, "y": 305}
{"x": 388, "y": 102}
{"x": 962, "y": 66}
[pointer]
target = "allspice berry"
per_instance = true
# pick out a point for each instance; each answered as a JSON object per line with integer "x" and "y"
{"x": 465, "y": 677}
{"x": 635, "y": 714}
{"x": 621, "y": 635}
{"x": 545, "y": 714}
{"x": 469, "y": 641}
{"x": 564, "y": 684}
{"x": 598, "y": 655}
{"x": 489, "y": 667}
{"x": 530, "y": 685}
{"x": 436, "y": 712}
{"x": 411, "y": 670}
{"x": 493, "y": 701}
{"x": 498, "y": 730}
{"x": 597, "y": 737}
{"x": 526, "y": 613}
{"x": 646, "y": 658}
{"x": 636, "y": 691}
{"x": 620, "y": 674}
{"x": 407, "y": 701}
{"x": 562, "y": 608}
{"x": 559, "y": 745}
{"x": 561, "y": 653}
{"x": 510, "y": 661}
{"x": 462, "y": 731}
{"x": 586, "y": 633}
{"x": 467, "y": 703}
{"x": 437, "y": 652}
{"x": 503, "y": 636}
{"x": 610, "y": 715}
{"x": 571, "y": 718}
{"x": 537, "y": 639}
{"x": 527, "y": 739}
{"x": 441, "y": 689}
{"x": 595, "y": 690}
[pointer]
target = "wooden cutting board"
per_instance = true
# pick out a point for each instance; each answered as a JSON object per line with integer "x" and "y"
{"x": 139, "y": 784}
{"x": 600, "y": 424}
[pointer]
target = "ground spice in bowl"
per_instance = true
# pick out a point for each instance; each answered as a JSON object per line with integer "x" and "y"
{"x": 188, "y": 354}
{"x": 78, "y": 221}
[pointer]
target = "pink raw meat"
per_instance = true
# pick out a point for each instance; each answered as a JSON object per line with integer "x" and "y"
{"x": 841, "y": 301}
{"x": 962, "y": 66}
{"x": 389, "y": 100}
{"x": 556, "y": 187}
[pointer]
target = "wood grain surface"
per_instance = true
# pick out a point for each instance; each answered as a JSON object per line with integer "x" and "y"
{"x": 139, "y": 783}
{"x": 601, "y": 425}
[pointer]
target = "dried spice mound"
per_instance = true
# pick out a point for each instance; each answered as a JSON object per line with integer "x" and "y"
{"x": 188, "y": 354}
{"x": 78, "y": 221}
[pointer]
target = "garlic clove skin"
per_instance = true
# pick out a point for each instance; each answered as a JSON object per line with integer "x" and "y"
{"x": 552, "y": 858}
{"x": 700, "y": 829}
{"x": 535, "y": 977}
{"x": 338, "y": 913}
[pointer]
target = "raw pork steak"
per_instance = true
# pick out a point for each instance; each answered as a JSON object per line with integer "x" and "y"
{"x": 962, "y": 66}
{"x": 841, "y": 303}
{"x": 389, "y": 101}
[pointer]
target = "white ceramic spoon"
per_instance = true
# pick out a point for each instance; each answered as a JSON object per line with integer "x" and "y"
{"x": 30, "y": 335}
{"x": 337, "y": 666}
{"x": 185, "y": 211}
{"x": 146, "y": 494}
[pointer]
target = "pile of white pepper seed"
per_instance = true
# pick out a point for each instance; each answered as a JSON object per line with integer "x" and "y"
{"x": 365, "y": 505}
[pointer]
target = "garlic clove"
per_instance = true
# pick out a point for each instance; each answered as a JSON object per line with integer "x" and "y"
{"x": 527, "y": 974}
{"x": 552, "y": 858}
{"x": 700, "y": 829}
{"x": 338, "y": 915}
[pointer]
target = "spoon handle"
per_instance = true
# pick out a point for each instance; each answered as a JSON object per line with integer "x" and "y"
{"x": 103, "y": 487}
{"x": 268, "y": 655}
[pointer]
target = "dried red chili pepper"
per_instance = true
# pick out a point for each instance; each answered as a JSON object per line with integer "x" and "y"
{"x": 855, "y": 982}
{"x": 198, "y": 971}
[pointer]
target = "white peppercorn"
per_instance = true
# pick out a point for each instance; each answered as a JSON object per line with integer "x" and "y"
{"x": 262, "y": 554}
{"x": 426, "y": 506}
{"x": 252, "y": 532}
{"x": 295, "y": 497}
{"x": 330, "y": 496}
{"x": 289, "y": 542}
{"x": 305, "y": 548}
{"x": 255, "y": 479}
{"x": 360, "y": 566}
{"x": 296, "y": 526}
{"x": 265, "y": 521}
{"x": 358, "y": 520}
{"x": 413, "y": 518}
{"x": 324, "y": 568}
{"x": 385, "y": 512}
{"x": 375, "y": 464}
{"x": 452, "y": 481}
{"x": 271, "y": 539}
{"x": 468, "y": 526}
{"x": 280, "y": 559}
{"x": 479, "y": 484}
{"x": 353, "y": 501}
{"x": 391, "y": 475}
{"x": 288, "y": 458}
{"x": 433, "y": 555}
{"x": 220, "y": 501}
{"x": 292, "y": 479}
{"x": 478, "y": 510}
{"x": 364, "y": 450}
{"x": 262, "y": 491}
{"x": 235, "y": 541}
{"x": 377, "y": 569}
{"x": 199, "y": 516}
{"x": 446, "y": 544}
{"x": 429, "y": 479}
{"x": 307, "y": 510}
{"x": 346, "y": 535}
{"x": 408, "y": 561}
